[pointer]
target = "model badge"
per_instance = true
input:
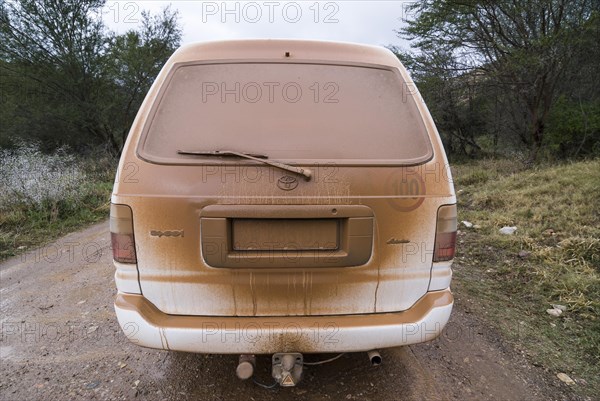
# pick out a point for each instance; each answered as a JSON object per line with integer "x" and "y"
{"x": 173, "y": 233}
{"x": 395, "y": 241}
{"x": 287, "y": 183}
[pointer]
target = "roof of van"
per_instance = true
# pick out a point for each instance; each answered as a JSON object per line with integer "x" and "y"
{"x": 276, "y": 49}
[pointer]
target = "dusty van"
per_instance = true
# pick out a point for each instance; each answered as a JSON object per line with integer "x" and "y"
{"x": 283, "y": 197}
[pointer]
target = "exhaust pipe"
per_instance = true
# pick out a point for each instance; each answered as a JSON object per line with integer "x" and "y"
{"x": 245, "y": 367}
{"x": 374, "y": 357}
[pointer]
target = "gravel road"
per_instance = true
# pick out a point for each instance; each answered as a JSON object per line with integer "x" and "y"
{"x": 60, "y": 340}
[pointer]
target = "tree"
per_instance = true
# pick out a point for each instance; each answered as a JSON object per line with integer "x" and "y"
{"x": 524, "y": 46}
{"x": 136, "y": 59}
{"x": 66, "y": 79}
{"x": 452, "y": 98}
{"x": 52, "y": 60}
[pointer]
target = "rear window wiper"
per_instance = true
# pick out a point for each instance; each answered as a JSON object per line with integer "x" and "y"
{"x": 307, "y": 173}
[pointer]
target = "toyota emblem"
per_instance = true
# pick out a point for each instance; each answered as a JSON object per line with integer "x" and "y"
{"x": 287, "y": 183}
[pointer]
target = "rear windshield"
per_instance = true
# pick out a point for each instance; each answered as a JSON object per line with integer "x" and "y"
{"x": 289, "y": 112}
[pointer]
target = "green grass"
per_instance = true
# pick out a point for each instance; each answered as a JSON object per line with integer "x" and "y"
{"x": 556, "y": 212}
{"x": 22, "y": 228}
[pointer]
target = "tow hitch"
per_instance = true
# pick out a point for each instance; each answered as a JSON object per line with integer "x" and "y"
{"x": 287, "y": 368}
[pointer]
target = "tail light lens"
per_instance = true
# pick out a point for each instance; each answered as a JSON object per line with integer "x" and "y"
{"x": 445, "y": 235}
{"x": 121, "y": 234}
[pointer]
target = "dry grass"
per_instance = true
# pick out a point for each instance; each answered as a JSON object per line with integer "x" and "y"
{"x": 556, "y": 212}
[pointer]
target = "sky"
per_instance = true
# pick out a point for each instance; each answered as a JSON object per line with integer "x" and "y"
{"x": 370, "y": 22}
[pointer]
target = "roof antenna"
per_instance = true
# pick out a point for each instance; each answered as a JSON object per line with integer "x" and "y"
{"x": 287, "y": 54}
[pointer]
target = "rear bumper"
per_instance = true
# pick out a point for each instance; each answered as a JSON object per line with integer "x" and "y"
{"x": 145, "y": 325}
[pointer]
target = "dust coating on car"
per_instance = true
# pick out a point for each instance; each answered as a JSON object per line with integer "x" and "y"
{"x": 283, "y": 197}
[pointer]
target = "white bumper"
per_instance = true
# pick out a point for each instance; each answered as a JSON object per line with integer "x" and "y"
{"x": 145, "y": 325}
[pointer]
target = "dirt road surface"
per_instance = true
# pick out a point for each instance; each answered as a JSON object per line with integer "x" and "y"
{"x": 60, "y": 340}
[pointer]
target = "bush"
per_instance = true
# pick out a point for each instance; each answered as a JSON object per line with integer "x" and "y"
{"x": 43, "y": 196}
{"x": 41, "y": 181}
{"x": 573, "y": 129}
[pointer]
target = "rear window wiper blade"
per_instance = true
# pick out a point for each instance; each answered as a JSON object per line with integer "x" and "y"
{"x": 221, "y": 153}
{"x": 306, "y": 173}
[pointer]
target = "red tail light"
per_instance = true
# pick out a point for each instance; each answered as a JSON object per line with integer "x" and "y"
{"x": 445, "y": 236}
{"x": 121, "y": 234}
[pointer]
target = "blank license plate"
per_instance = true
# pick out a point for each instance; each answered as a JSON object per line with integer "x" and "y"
{"x": 285, "y": 234}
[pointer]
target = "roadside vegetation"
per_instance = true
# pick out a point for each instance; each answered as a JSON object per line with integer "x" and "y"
{"x": 551, "y": 262}
{"x": 508, "y": 75}
{"x": 44, "y": 196}
{"x": 70, "y": 89}
{"x": 67, "y": 79}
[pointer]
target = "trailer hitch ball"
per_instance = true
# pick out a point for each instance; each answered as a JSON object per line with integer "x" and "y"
{"x": 287, "y": 368}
